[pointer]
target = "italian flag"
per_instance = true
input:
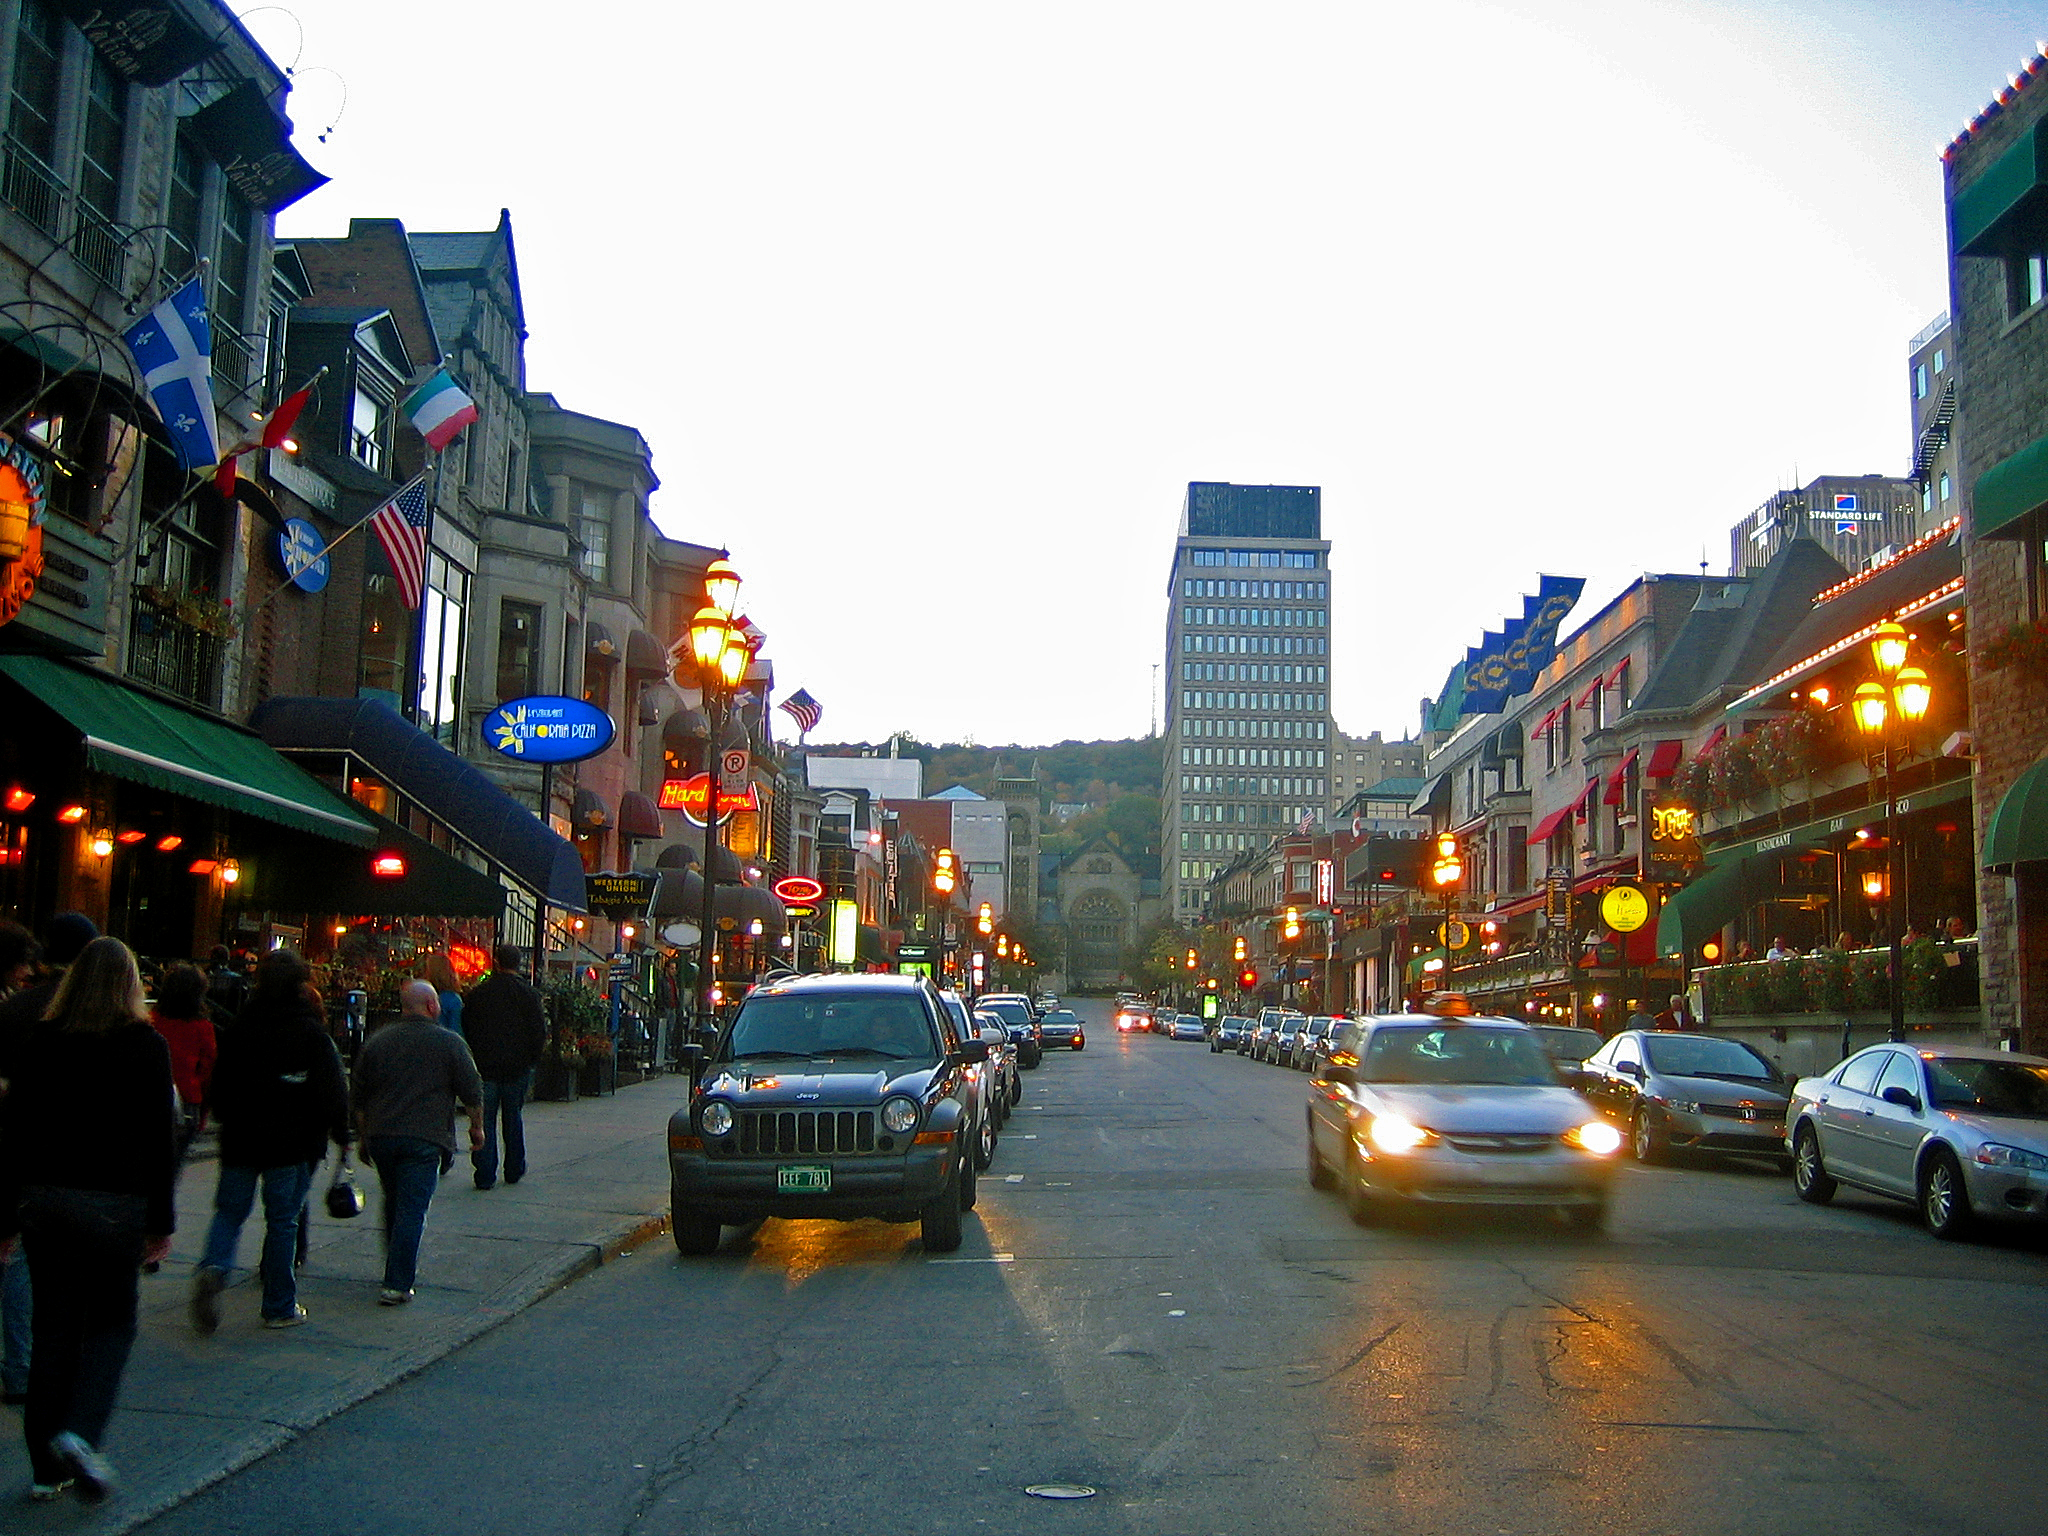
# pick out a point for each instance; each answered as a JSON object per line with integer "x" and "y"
{"x": 439, "y": 409}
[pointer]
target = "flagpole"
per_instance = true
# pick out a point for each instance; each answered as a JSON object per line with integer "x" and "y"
{"x": 419, "y": 626}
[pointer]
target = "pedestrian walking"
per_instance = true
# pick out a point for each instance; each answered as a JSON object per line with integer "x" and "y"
{"x": 411, "y": 1078}
{"x": 181, "y": 1017}
{"x": 280, "y": 1097}
{"x": 506, "y": 1025}
{"x": 85, "y": 1188}
{"x": 438, "y": 971}
{"x": 27, "y": 997}
{"x": 227, "y": 987}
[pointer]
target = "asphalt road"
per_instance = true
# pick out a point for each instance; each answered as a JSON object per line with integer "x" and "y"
{"x": 1160, "y": 1308}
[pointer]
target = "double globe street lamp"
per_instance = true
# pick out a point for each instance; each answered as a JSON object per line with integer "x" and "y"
{"x": 1902, "y": 695}
{"x": 720, "y": 655}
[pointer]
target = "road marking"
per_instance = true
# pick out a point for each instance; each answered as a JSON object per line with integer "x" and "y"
{"x": 1013, "y": 1178}
{"x": 994, "y": 1258}
{"x": 1059, "y": 1183}
{"x": 1177, "y": 1312}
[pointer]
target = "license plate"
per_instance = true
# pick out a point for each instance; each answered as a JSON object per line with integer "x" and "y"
{"x": 807, "y": 1180}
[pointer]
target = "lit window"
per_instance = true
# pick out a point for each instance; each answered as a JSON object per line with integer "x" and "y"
{"x": 1940, "y": 362}
{"x": 1919, "y": 381}
{"x": 1945, "y": 488}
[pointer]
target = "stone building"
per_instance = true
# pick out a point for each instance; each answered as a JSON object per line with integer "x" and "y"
{"x": 1105, "y": 900}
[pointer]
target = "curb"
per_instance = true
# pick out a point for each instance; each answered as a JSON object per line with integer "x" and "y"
{"x": 139, "y": 1505}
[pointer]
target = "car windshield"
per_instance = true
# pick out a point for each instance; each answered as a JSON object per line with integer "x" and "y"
{"x": 1319, "y": 1027}
{"x": 1989, "y": 1087}
{"x": 1564, "y": 1043}
{"x": 1706, "y": 1056}
{"x": 800, "y": 1026}
{"x": 1455, "y": 1053}
{"x": 1008, "y": 1012}
{"x": 1060, "y": 1016}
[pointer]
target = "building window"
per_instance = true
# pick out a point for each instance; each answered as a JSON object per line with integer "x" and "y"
{"x": 182, "y": 237}
{"x": 387, "y": 631}
{"x": 2026, "y": 277}
{"x": 105, "y": 135}
{"x": 231, "y": 261}
{"x": 445, "y": 601}
{"x": 1940, "y": 362}
{"x": 594, "y": 528}
{"x": 368, "y": 417}
{"x": 1919, "y": 381}
{"x": 32, "y": 115}
{"x": 518, "y": 649}
{"x": 1945, "y": 488}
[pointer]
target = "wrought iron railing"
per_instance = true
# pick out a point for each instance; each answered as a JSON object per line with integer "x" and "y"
{"x": 39, "y": 195}
{"x": 169, "y": 654}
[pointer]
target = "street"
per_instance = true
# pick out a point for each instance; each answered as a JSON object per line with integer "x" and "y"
{"x": 1152, "y": 1302}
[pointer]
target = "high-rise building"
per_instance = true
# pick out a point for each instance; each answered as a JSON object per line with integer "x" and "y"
{"x": 1248, "y": 732}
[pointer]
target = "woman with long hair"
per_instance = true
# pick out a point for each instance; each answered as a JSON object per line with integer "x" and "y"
{"x": 279, "y": 1095}
{"x": 85, "y": 1182}
{"x": 439, "y": 972}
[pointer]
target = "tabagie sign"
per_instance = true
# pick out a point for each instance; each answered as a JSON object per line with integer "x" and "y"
{"x": 548, "y": 728}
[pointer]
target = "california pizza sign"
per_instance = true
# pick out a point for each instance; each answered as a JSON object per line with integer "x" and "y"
{"x": 548, "y": 728}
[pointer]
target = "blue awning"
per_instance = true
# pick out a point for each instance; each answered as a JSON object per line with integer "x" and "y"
{"x": 458, "y": 793}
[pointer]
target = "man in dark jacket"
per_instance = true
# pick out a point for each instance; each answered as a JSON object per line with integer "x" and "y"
{"x": 506, "y": 1025}
{"x": 279, "y": 1096}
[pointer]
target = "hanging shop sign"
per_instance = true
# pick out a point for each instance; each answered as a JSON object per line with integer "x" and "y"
{"x": 620, "y": 895}
{"x": 1456, "y": 934}
{"x": 303, "y": 553}
{"x": 548, "y": 728}
{"x": 1672, "y": 849}
{"x": 1624, "y": 908}
{"x": 1557, "y": 896}
{"x": 798, "y": 888}
{"x": 145, "y": 41}
{"x": 692, "y": 795}
{"x": 24, "y": 502}
{"x": 253, "y": 148}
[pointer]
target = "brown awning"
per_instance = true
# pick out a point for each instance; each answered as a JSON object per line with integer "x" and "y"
{"x": 645, "y": 654}
{"x": 638, "y": 816}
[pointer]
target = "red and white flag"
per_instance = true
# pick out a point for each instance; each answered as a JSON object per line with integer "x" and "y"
{"x": 401, "y": 527}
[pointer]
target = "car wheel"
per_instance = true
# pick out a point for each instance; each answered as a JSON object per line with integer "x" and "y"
{"x": 1810, "y": 1178}
{"x": 695, "y": 1235}
{"x": 985, "y": 1143}
{"x": 1319, "y": 1174}
{"x": 1366, "y": 1208}
{"x": 970, "y": 1189}
{"x": 1645, "y": 1140}
{"x": 1016, "y": 1091}
{"x": 1944, "y": 1197}
{"x": 939, "y": 1222}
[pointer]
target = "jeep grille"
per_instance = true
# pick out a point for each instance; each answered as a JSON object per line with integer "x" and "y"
{"x": 823, "y": 1131}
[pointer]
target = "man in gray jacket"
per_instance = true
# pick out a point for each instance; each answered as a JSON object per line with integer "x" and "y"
{"x": 410, "y": 1079}
{"x": 506, "y": 1025}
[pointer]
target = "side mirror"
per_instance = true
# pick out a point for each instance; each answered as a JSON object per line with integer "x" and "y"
{"x": 1905, "y": 1098}
{"x": 692, "y": 1059}
{"x": 973, "y": 1051}
{"x": 1632, "y": 1069}
{"x": 1344, "y": 1077}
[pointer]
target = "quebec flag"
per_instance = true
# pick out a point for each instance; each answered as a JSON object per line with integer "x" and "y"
{"x": 173, "y": 346}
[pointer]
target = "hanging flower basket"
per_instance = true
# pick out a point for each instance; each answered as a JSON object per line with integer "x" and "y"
{"x": 195, "y": 608}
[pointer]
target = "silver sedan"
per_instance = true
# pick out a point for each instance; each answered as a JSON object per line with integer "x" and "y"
{"x": 1959, "y": 1130}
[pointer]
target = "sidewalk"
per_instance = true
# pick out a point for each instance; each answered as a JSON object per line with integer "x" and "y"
{"x": 194, "y": 1409}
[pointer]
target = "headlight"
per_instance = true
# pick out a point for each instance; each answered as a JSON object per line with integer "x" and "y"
{"x": 899, "y": 1115}
{"x": 1390, "y": 1133}
{"x": 1994, "y": 1155}
{"x": 1595, "y": 1136}
{"x": 1683, "y": 1106}
{"x": 717, "y": 1118}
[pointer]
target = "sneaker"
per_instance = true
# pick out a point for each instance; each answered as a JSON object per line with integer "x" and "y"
{"x": 291, "y": 1319}
{"x": 391, "y": 1298}
{"x": 514, "y": 1178}
{"x": 484, "y": 1183}
{"x": 42, "y": 1493}
{"x": 94, "y": 1476}
{"x": 207, "y": 1284}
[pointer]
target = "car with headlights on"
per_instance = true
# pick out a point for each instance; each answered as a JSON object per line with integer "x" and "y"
{"x": 1061, "y": 1028}
{"x": 1022, "y": 1024}
{"x": 1960, "y": 1131}
{"x": 1681, "y": 1091}
{"x": 1416, "y": 1110}
{"x": 833, "y": 1097}
{"x": 1133, "y": 1019}
{"x": 1229, "y": 1032}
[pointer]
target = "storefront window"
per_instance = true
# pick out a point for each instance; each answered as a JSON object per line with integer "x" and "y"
{"x": 446, "y": 601}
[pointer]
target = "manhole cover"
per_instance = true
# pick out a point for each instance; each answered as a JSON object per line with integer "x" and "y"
{"x": 1060, "y": 1491}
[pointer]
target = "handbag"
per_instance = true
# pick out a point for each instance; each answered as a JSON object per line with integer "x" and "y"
{"x": 343, "y": 1198}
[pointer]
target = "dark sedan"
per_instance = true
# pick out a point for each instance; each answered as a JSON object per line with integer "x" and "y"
{"x": 1061, "y": 1028}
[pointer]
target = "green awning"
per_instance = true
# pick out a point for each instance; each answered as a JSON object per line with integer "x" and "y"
{"x": 1990, "y": 209}
{"x": 1813, "y": 833}
{"x": 147, "y": 740}
{"x": 1704, "y": 906}
{"x": 337, "y": 879}
{"x": 2017, "y": 832}
{"x": 2009, "y": 490}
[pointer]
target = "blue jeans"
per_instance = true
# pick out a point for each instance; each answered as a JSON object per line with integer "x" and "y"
{"x": 408, "y": 1168}
{"x": 284, "y": 1198}
{"x": 85, "y": 1250}
{"x": 14, "y": 1324}
{"x": 504, "y": 1098}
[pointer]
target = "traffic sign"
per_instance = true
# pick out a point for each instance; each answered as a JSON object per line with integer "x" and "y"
{"x": 733, "y": 762}
{"x": 1455, "y": 934}
{"x": 1624, "y": 908}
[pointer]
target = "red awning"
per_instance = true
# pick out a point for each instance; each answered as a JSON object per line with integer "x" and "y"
{"x": 1546, "y": 722}
{"x": 1614, "y": 779}
{"x": 1620, "y": 667}
{"x": 1586, "y": 698}
{"x": 1664, "y": 759}
{"x": 1541, "y": 832}
{"x": 1712, "y": 741}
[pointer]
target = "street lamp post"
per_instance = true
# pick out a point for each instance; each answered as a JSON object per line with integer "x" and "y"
{"x": 1906, "y": 694}
{"x": 1445, "y": 874}
{"x": 719, "y": 651}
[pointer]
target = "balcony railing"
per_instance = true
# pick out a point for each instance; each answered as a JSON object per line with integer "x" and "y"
{"x": 36, "y": 192}
{"x": 169, "y": 654}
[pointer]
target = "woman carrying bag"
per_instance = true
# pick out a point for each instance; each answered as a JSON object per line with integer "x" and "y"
{"x": 85, "y": 1180}
{"x": 279, "y": 1096}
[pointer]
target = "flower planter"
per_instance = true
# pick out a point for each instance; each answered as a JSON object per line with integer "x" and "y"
{"x": 597, "y": 1076}
{"x": 554, "y": 1082}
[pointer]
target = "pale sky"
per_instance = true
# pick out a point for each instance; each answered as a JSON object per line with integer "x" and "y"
{"x": 931, "y": 311}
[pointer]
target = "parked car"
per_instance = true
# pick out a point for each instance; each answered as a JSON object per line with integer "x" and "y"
{"x": 1302, "y": 1043}
{"x": 1690, "y": 1092}
{"x": 1959, "y": 1130}
{"x": 1418, "y": 1110}
{"x": 1012, "y": 997}
{"x": 989, "y": 1099}
{"x": 1005, "y": 1049}
{"x": 1021, "y": 1023}
{"x": 1229, "y": 1033}
{"x": 1261, "y": 1037}
{"x": 833, "y": 1097}
{"x": 1186, "y": 1026}
{"x": 1062, "y": 1027}
{"x": 1568, "y": 1044}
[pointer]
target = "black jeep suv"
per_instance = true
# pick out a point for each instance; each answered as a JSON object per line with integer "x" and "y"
{"x": 829, "y": 1097}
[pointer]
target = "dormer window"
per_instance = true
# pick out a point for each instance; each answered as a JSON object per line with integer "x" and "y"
{"x": 368, "y": 428}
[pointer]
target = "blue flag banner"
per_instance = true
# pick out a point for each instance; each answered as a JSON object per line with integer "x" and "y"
{"x": 173, "y": 348}
{"x": 1486, "y": 675}
{"x": 1541, "y": 616}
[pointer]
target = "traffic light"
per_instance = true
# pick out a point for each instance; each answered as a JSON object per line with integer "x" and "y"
{"x": 985, "y": 919}
{"x": 1290, "y": 925}
{"x": 1237, "y": 950}
{"x": 1449, "y": 867}
{"x": 1191, "y": 960}
{"x": 945, "y": 873}
{"x": 1210, "y": 983}
{"x": 1247, "y": 979}
{"x": 1003, "y": 946}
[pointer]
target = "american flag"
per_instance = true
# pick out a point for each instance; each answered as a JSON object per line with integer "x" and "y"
{"x": 401, "y": 527}
{"x": 803, "y": 709}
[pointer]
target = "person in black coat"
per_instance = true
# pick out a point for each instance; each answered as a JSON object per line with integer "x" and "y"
{"x": 506, "y": 1025}
{"x": 85, "y": 1183}
{"x": 279, "y": 1097}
